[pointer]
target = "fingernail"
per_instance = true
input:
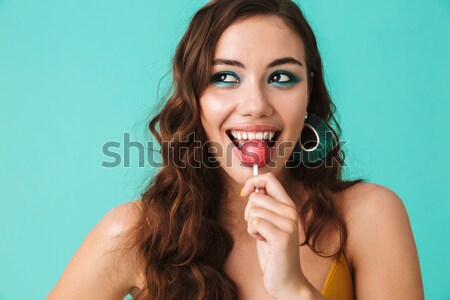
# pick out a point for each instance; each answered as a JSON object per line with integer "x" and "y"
{"x": 242, "y": 191}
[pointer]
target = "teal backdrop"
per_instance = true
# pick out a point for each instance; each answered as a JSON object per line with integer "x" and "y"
{"x": 75, "y": 75}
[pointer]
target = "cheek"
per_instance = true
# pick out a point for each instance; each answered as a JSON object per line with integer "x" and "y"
{"x": 212, "y": 112}
{"x": 210, "y": 107}
{"x": 293, "y": 109}
{"x": 214, "y": 108}
{"x": 207, "y": 108}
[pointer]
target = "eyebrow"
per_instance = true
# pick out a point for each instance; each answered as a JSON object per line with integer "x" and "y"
{"x": 277, "y": 62}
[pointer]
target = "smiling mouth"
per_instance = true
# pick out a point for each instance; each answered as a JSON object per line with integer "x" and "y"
{"x": 240, "y": 142}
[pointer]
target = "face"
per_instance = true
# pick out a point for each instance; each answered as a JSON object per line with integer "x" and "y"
{"x": 258, "y": 85}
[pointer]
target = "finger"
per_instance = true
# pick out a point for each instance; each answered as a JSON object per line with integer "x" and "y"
{"x": 272, "y": 186}
{"x": 259, "y": 237}
{"x": 258, "y": 227}
{"x": 282, "y": 223}
{"x": 267, "y": 202}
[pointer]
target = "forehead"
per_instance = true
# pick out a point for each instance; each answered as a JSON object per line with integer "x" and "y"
{"x": 259, "y": 38}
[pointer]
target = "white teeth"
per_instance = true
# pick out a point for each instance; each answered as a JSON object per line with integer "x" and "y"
{"x": 241, "y": 135}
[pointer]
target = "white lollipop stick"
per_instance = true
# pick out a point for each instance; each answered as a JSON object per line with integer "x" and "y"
{"x": 255, "y": 172}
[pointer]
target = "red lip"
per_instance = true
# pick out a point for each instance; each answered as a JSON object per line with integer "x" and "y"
{"x": 254, "y": 127}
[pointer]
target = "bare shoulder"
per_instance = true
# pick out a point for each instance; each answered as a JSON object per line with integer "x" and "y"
{"x": 369, "y": 208}
{"x": 370, "y": 199}
{"x": 102, "y": 261}
{"x": 121, "y": 218}
{"x": 380, "y": 245}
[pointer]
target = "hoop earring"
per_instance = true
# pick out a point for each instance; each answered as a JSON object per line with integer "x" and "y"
{"x": 324, "y": 143}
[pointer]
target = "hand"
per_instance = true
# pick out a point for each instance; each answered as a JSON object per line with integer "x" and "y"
{"x": 273, "y": 221}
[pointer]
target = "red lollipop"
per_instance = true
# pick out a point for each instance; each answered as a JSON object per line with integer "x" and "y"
{"x": 255, "y": 152}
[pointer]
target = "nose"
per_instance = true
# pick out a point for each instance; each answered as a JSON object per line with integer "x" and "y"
{"x": 254, "y": 102}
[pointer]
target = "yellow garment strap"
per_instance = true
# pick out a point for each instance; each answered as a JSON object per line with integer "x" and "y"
{"x": 140, "y": 207}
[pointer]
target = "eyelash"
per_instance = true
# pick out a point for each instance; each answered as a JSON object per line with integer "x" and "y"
{"x": 215, "y": 79}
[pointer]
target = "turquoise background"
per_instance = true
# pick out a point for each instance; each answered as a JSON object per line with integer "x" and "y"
{"x": 75, "y": 75}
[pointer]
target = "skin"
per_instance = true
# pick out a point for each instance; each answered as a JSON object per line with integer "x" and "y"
{"x": 257, "y": 94}
{"x": 381, "y": 251}
{"x": 254, "y": 99}
{"x": 252, "y": 95}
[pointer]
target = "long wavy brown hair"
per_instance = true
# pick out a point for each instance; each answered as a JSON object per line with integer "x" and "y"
{"x": 179, "y": 236}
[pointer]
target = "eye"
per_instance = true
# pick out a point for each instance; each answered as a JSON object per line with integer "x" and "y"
{"x": 283, "y": 78}
{"x": 225, "y": 78}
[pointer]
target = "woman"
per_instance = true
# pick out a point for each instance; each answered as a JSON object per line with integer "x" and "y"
{"x": 249, "y": 71}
